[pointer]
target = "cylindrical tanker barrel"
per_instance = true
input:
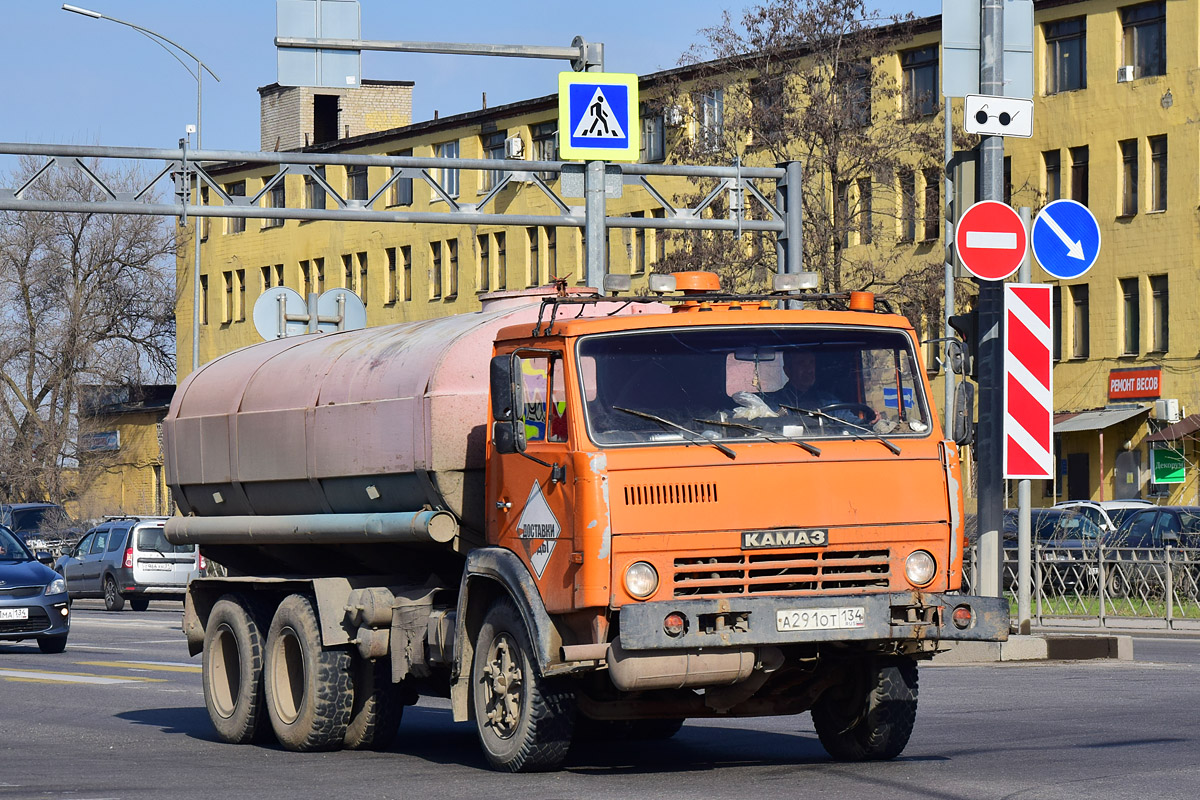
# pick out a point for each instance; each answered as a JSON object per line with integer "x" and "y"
{"x": 421, "y": 527}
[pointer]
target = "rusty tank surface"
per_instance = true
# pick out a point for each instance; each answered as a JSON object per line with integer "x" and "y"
{"x": 385, "y": 419}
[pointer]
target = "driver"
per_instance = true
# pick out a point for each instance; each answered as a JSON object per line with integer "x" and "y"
{"x": 801, "y": 390}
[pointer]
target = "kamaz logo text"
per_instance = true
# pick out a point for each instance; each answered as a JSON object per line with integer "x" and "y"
{"x": 752, "y": 540}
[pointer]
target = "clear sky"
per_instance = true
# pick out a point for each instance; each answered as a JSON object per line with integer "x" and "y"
{"x": 75, "y": 80}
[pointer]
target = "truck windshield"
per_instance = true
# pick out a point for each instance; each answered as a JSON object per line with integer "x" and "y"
{"x": 796, "y": 381}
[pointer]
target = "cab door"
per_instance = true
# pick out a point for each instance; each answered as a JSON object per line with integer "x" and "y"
{"x": 533, "y": 490}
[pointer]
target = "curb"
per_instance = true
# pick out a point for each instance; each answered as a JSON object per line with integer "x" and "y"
{"x": 1044, "y": 647}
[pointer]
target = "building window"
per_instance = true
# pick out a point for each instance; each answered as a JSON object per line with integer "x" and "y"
{"x": 452, "y": 267}
{"x": 402, "y": 188}
{"x": 637, "y": 258}
{"x": 362, "y": 277}
{"x": 203, "y": 299}
{"x": 767, "y": 108}
{"x": 392, "y": 289}
{"x": 660, "y": 239}
{"x": 865, "y": 218}
{"x": 204, "y": 221}
{"x": 235, "y": 224}
{"x": 1130, "y": 307}
{"x": 855, "y": 93}
{"x": 933, "y": 204}
{"x": 841, "y": 212}
{"x": 1079, "y": 174}
{"x": 1129, "y": 177}
{"x": 920, "y": 69}
{"x": 908, "y": 206}
{"x": 654, "y": 136}
{"x": 448, "y": 178}
{"x": 1052, "y": 161}
{"x": 1066, "y": 55}
{"x": 1144, "y": 38}
{"x": 319, "y": 281}
{"x": 227, "y": 306}
{"x": 314, "y": 192}
{"x": 1160, "y": 308}
{"x": 349, "y": 274}
{"x": 1056, "y": 321}
{"x": 305, "y": 279}
{"x": 1158, "y": 173}
{"x": 435, "y": 271}
{"x": 1080, "y": 334}
{"x": 1008, "y": 180}
{"x": 501, "y": 263}
{"x": 240, "y": 276}
{"x": 483, "y": 240}
{"x": 267, "y": 277}
{"x": 356, "y": 183}
{"x": 493, "y": 148}
{"x": 545, "y": 145}
{"x": 710, "y": 118}
{"x": 276, "y": 198}
{"x": 406, "y": 260}
{"x": 531, "y": 276}
{"x": 552, "y": 252}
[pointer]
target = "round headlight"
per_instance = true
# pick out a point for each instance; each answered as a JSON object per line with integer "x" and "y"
{"x": 920, "y": 568}
{"x": 641, "y": 579}
{"x": 56, "y": 586}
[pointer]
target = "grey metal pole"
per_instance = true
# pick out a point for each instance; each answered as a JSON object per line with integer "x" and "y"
{"x": 197, "y": 200}
{"x": 989, "y": 472}
{"x": 595, "y": 228}
{"x": 794, "y": 218}
{"x": 948, "y": 298}
{"x": 1024, "y": 530}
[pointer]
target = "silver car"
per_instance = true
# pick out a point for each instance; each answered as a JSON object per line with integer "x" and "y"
{"x": 33, "y": 599}
{"x": 129, "y": 558}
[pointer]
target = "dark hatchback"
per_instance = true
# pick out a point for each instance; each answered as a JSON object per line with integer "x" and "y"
{"x": 33, "y": 597}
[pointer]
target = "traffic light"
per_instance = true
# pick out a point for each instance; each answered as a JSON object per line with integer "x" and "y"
{"x": 967, "y": 360}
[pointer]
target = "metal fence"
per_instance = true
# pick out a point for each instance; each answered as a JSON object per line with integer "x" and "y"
{"x": 1105, "y": 586}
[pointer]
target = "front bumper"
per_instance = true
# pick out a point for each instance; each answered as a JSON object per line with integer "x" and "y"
{"x": 45, "y": 618}
{"x": 739, "y": 622}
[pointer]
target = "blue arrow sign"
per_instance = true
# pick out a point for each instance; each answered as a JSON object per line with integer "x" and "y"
{"x": 1066, "y": 239}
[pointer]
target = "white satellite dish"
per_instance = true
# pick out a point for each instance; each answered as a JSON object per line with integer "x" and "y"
{"x": 340, "y": 310}
{"x": 280, "y": 312}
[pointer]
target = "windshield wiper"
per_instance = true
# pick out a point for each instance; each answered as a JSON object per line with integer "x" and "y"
{"x": 770, "y": 437}
{"x": 697, "y": 437}
{"x": 871, "y": 434}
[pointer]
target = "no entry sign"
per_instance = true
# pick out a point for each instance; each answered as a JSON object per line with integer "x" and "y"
{"x": 1028, "y": 382}
{"x": 990, "y": 240}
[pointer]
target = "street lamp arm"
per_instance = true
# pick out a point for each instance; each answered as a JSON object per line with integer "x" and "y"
{"x": 146, "y": 31}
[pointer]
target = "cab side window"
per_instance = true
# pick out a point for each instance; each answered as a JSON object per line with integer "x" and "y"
{"x": 545, "y": 399}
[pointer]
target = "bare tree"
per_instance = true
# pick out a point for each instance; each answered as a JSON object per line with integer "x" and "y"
{"x": 86, "y": 300}
{"x": 815, "y": 81}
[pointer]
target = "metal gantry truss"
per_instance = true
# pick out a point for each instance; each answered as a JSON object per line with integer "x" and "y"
{"x": 778, "y": 205}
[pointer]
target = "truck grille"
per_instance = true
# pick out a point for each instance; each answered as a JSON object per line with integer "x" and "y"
{"x": 670, "y": 494}
{"x": 781, "y": 573}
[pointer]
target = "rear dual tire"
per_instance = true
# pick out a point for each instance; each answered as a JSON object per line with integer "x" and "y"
{"x": 232, "y": 671}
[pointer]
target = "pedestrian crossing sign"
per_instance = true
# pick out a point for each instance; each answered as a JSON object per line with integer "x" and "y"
{"x": 598, "y": 116}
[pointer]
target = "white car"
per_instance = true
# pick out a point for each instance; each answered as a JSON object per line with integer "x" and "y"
{"x": 1108, "y": 514}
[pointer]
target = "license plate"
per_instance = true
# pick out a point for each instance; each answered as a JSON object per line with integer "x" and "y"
{"x": 820, "y": 619}
{"x": 14, "y": 613}
{"x": 155, "y": 566}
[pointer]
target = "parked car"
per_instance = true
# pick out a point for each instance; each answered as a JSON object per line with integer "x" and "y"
{"x": 42, "y": 526}
{"x": 129, "y": 558}
{"x": 1159, "y": 526}
{"x": 1041, "y": 524}
{"x": 33, "y": 598}
{"x": 1139, "y": 562}
{"x": 1108, "y": 514}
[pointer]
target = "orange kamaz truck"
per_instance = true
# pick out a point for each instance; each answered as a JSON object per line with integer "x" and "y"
{"x": 575, "y": 515}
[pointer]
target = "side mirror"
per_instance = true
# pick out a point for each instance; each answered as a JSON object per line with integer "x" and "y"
{"x": 45, "y": 556}
{"x": 508, "y": 405}
{"x": 964, "y": 414}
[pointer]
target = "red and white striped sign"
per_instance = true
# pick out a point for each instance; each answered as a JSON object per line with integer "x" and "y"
{"x": 1028, "y": 382}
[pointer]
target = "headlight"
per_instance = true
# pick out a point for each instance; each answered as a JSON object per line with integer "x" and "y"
{"x": 56, "y": 586}
{"x": 919, "y": 567}
{"x": 641, "y": 580}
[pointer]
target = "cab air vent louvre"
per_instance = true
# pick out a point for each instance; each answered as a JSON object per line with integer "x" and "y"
{"x": 670, "y": 494}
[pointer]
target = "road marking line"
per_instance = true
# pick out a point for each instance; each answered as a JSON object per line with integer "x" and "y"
{"x": 992, "y": 240}
{"x": 142, "y": 665}
{"x": 73, "y": 677}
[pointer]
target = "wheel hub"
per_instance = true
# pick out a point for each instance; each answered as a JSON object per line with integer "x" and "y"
{"x": 503, "y": 686}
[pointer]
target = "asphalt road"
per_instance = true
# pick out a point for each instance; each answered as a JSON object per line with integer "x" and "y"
{"x": 120, "y": 714}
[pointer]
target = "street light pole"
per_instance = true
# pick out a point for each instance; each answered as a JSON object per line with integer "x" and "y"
{"x": 201, "y": 67}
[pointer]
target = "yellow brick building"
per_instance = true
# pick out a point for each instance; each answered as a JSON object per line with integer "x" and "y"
{"x": 1112, "y": 127}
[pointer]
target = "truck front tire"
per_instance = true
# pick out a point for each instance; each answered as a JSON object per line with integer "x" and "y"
{"x": 870, "y": 716}
{"x": 524, "y": 720}
{"x": 232, "y": 670}
{"x": 308, "y": 687}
